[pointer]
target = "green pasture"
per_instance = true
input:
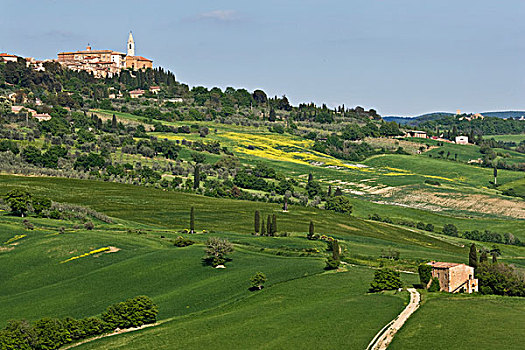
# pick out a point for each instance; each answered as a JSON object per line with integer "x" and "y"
{"x": 297, "y": 314}
{"x": 464, "y": 322}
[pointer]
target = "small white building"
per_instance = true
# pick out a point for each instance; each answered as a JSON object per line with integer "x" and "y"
{"x": 462, "y": 140}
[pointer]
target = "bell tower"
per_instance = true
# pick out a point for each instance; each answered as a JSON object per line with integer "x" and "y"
{"x": 131, "y": 45}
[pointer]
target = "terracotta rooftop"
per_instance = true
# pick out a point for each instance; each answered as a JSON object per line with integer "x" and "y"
{"x": 443, "y": 265}
{"x": 7, "y": 55}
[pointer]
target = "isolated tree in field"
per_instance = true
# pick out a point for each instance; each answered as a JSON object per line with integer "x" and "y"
{"x": 285, "y": 205}
{"x": 495, "y": 175}
{"x": 425, "y": 274}
{"x": 217, "y": 249}
{"x": 483, "y": 257}
{"x": 473, "y": 256}
{"x": 114, "y": 122}
{"x": 19, "y": 201}
{"x": 386, "y": 279}
{"x": 263, "y": 228}
{"x": 336, "y": 250}
{"x": 274, "y": 224}
{"x": 312, "y": 187}
{"x": 258, "y": 280}
{"x": 338, "y": 192}
{"x": 329, "y": 193}
{"x": 269, "y": 226}
{"x": 495, "y": 252}
{"x": 257, "y": 222}
{"x": 192, "y": 220}
{"x": 196, "y": 177}
{"x": 311, "y": 230}
{"x": 339, "y": 204}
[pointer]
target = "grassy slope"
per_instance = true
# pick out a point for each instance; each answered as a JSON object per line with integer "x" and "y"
{"x": 297, "y": 314}
{"x": 517, "y": 185}
{"x": 31, "y": 273}
{"x": 462, "y": 322}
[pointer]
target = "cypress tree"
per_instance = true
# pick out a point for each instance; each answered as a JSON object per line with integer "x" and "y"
{"x": 269, "y": 226}
{"x": 473, "y": 256}
{"x": 311, "y": 230}
{"x": 335, "y": 250}
{"x": 196, "y": 177}
{"x": 114, "y": 122}
{"x": 495, "y": 175}
{"x": 263, "y": 228}
{"x": 274, "y": 225}
{"x": 192, "y": 220}
{"x": 329, "y": 194}
{"x": 257, "y": 222}
{"x": 285, "y": 206}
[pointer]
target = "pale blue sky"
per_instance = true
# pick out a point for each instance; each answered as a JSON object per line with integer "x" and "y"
{"x": 401, "y": 57}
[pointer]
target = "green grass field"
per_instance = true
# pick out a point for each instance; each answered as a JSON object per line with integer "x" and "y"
{"x": 464, "y": 322}
{"x": 201, "y": 306}
{"x": 327, "y": 311}
{"x": 506, "y": 138}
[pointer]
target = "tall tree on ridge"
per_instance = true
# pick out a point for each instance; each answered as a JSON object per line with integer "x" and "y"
{"x": 473, "y": 256}
{"x": 257, "y": 222}
{"x": 192, "y": 220}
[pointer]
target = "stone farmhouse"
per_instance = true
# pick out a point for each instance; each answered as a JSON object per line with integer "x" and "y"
{"x": 104, "y": 63}
{"x": 454, "y": 278}
{"x": 461, "y": 140}
{"x": 416, "y": 133}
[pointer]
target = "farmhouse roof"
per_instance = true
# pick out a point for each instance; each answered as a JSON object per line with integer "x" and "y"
{"x": 443, "y": 265}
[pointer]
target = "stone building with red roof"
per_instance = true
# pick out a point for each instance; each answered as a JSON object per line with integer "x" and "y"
{"x": 454, "y": 278}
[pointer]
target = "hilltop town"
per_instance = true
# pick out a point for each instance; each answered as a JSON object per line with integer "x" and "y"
{"x": 100, "y": 63}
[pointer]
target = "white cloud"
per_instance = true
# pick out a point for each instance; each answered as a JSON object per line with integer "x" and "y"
{"x": 220, "y": 16}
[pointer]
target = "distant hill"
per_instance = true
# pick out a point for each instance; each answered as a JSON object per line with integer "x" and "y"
{"x": 505, "y": 114}
{"x": 419, "y": 119}
{"x": 414, "y": 121}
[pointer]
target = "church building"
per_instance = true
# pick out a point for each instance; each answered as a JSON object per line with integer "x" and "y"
{"x": 104, "y": 63}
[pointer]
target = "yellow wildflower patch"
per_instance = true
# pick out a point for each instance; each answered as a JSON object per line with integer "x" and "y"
{"x": 100, "y": 250}
{"x": 15, "y": 238}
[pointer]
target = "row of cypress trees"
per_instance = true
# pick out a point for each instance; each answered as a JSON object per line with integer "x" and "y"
{"x": 265, "y": 229}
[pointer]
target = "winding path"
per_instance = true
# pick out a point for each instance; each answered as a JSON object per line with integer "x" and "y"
{"x": 385, "y": 335}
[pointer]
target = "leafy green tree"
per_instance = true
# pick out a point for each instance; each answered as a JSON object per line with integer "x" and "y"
{"x": 133, "y": 312}
{"x": 331, "y": 263}
{"x": 495, "y": 252}
{"x": 19, "y": 201}
{"x": 312, "y": 187}
{"x": 386, "y": 279}
{"x": 450, "y": 230}
{"x": 198, "y": 157}
{"x": 217, "y": 249}
{"x": 257, "y": 222}
{"x": 483, "y": 257}
{"x": 41, "y": 204}
{"x": 473, "y": 256}
{"x": 500, "y": 279}
{"x": 192, "y": 220}
{"x": 434, "y": 286}
{"x": 425, "y": 273}
{"x": 258, "y": 280}
{"x": 339, "y": 204}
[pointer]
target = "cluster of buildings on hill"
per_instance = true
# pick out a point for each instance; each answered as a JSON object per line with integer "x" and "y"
{"x": 460, "y": 140}
{"x": 100, "y": 63}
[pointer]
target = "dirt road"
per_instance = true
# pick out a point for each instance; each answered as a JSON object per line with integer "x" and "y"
{"x": 385, "y": 336}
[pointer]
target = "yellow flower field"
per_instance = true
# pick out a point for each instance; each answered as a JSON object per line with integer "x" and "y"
{"x": 100, "y": 250}
{"x": 15, "y": 238}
